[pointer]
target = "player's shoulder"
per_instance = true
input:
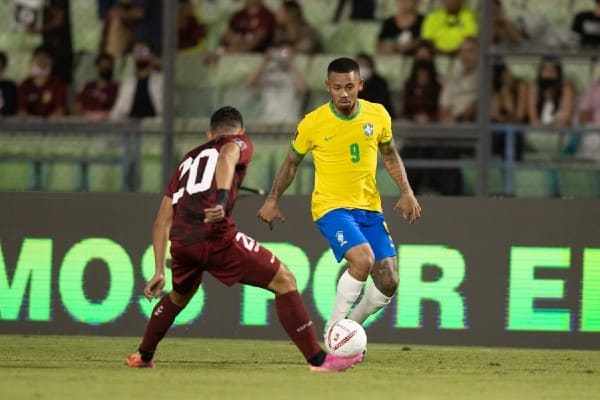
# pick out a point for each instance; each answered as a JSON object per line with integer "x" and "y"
{"x": 371, "y": 108}
{"x": 314, "y": 117}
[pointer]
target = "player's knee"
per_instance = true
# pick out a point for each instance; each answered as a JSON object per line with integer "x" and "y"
{"x": 362, "y": 266}
{"x": 387, "y": 284}
{"x": 179, "y": 299}
{"x": 283, "y": 282}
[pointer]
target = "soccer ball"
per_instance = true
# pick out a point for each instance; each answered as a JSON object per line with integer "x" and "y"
{"x": 346, "y": 338}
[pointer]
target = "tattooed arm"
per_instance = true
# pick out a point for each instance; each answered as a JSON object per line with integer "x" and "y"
{"x": 408, "y": 204}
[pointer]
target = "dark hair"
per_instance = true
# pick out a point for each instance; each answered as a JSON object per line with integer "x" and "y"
{"x": 426, "y": 65}
{"x": 225, "y": 119}
{"x": 556, "y": 87}
{"x": 367, "y": 58}
{"x": 3, "y": 59}
{"x": 43, "y": 50}
{"x": 343, "y": 65}
{"x": 103, "y": 56}
{"x": 294, "y": 7}
{"x": 498, "y": 69}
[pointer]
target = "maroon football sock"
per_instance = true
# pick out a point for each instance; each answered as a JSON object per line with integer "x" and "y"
{"x": 296, "y": 322}
{"x": 162, "y": 318}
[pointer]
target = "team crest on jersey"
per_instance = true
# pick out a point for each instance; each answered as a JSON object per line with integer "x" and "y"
{"x": 368, "y": 129}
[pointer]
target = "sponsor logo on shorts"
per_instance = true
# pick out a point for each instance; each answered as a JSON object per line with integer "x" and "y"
{"x": 339, "y": 235}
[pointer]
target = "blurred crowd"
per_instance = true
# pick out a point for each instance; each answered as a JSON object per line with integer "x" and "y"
{"x": 133, "y": 28}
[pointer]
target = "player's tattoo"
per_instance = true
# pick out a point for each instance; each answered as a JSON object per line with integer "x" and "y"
{"x": 385, "y": 275}
{"x": 395, "y": 167}
{"x": 285, "y": 175}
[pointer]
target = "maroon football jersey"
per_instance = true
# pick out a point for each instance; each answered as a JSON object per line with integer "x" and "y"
{"x": 193, "y": 188}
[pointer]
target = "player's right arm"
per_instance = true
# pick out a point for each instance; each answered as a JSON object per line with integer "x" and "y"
{"x": 285, "y": 176}
{"x": 160, "y": 238}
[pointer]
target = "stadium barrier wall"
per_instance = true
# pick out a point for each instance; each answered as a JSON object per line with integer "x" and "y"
{"x": 473, "y": 271}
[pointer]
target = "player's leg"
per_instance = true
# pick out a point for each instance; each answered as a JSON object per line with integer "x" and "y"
{"x": 384, "y": 274}
{"x": 263, "y": 269}
{"x": 186, "y": 278}
{"x": 343, "y": 233}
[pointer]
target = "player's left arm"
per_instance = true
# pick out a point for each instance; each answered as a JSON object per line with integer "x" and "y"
{"x": 408, "y": 204}
{"x": 225, "y": 170}
{"x": 160, "y": 239}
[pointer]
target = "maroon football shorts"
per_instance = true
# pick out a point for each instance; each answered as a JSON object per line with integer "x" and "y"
{"x": 241, "y": 260}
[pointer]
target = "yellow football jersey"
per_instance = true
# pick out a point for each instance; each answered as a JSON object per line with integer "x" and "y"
{"x": 344, "y": 151}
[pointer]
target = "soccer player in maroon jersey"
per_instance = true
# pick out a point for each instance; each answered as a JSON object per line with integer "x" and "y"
{"x": 195, "y": 214}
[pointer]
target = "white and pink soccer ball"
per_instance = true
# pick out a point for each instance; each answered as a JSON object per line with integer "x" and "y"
{"x": 346, "y": 338}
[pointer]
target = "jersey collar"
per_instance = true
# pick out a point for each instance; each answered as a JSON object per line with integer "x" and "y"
{"x": 344, "y": 117}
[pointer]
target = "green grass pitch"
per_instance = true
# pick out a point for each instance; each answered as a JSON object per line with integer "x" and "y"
{"x": 84, "y": 367}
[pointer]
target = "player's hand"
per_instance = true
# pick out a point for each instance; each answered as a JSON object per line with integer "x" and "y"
{"x": 154, "y": 287}
{"x": 269, "y": 212}
{"x": 409, "y": 207}
{"x": 214, "y": 214}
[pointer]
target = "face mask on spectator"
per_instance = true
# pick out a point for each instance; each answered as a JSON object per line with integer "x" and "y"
{"x": 40, "y": 72}
{"x": 142, "y": 64}
{"x": 547, "y": 83}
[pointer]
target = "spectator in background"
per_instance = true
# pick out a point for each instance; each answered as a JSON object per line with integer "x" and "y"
{"x": 291, "y": 27}
{"x": 447, "y": 27}
{"x": 589, "y": 113}
{"x": 56, "y": 36}
{"x": 359, "y": 10}
{"x": 586, "y": 25}
{"x": 420, "y": 105}
{"x": 401, "y": 33}
{"x": 97, "y": 98}
{"x": 190, "y": 31}
{"x": 250, "y": 29}
{"x": 458, "y": 99}
{"x": 42, "y": 94}
{"x": 149, "y": 28}
{"x": 503, "y": 30}
{"x": 140, "y": 95}
{"x": 8, "y": 90}
{"x": 281, "y": 85}
{"x": 420, "y": 97}
{"x": 119, "y": 27}
{"x": 375, "y": 87}
{"x": 508, "y": 106}
{"x": 103, "y": 7}
{"x": 551, "y": 97}
{"x": 424, "y": 51}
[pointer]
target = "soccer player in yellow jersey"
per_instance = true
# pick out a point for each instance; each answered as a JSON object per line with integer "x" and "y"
{"x": 344, "y": 136}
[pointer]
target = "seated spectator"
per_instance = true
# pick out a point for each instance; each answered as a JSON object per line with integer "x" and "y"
{"x": 589, "y": 114}
{"x": 292, "y": 28}
{"x": 8, "y": 90}
{"x": 551, "y": 97}
{"x": 140, "y": 95}
{"x": 42, "y": 94}
{"x": 359, "y": 10}
{"x": 250, "y": 29}
{"x": 424, "y": 51}
{"x": 190, "y": 31}
{"x": 375, "y": 87}
{"x": 508, "y": 106}
{"x": 119, "y": 26}
{"x": 421, "y": 93}
{"x": 56, "y": 36}
{"x": 97, "y": 98}
{"x": 401, "y": 33}
{"x": 447, "y": 27}
{"x": 458, "y": 99}
{"x": 503, "y": 30}
{"x": 586, "y": 25}
{"x": 281, "y": 85}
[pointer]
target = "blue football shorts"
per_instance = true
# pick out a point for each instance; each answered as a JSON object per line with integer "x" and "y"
{"x": 345, "y": 229}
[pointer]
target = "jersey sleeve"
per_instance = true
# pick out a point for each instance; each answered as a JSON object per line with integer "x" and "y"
{"x": 302, "y": 142}
{"x": 386, "y": 134}
{"x": 246, "y": 149}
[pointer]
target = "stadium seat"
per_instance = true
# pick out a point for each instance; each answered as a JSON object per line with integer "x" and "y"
{"x": 18, "y": 65}
{"x": 350, "y": 37}
{"x": 15, "y": 175}
{"x": 393, "y": 69}
{"x": 580, "y": 71}
{"x": 105, "y": 178}
{"x": 534, "y": 183}
{"x": 317, "y": 70}
{"x": 579, "y": 183}
{"x": 85, "y": 70}
{"x": 541, "y": 145}
{"x": 194, "y": 102}
{"x": 191, "y": 71}
{"x": 246, "y": 100}
{"x": 233, "y": 68}
{"x": 62, "y": 177}
{"x": 86, "y": 27}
